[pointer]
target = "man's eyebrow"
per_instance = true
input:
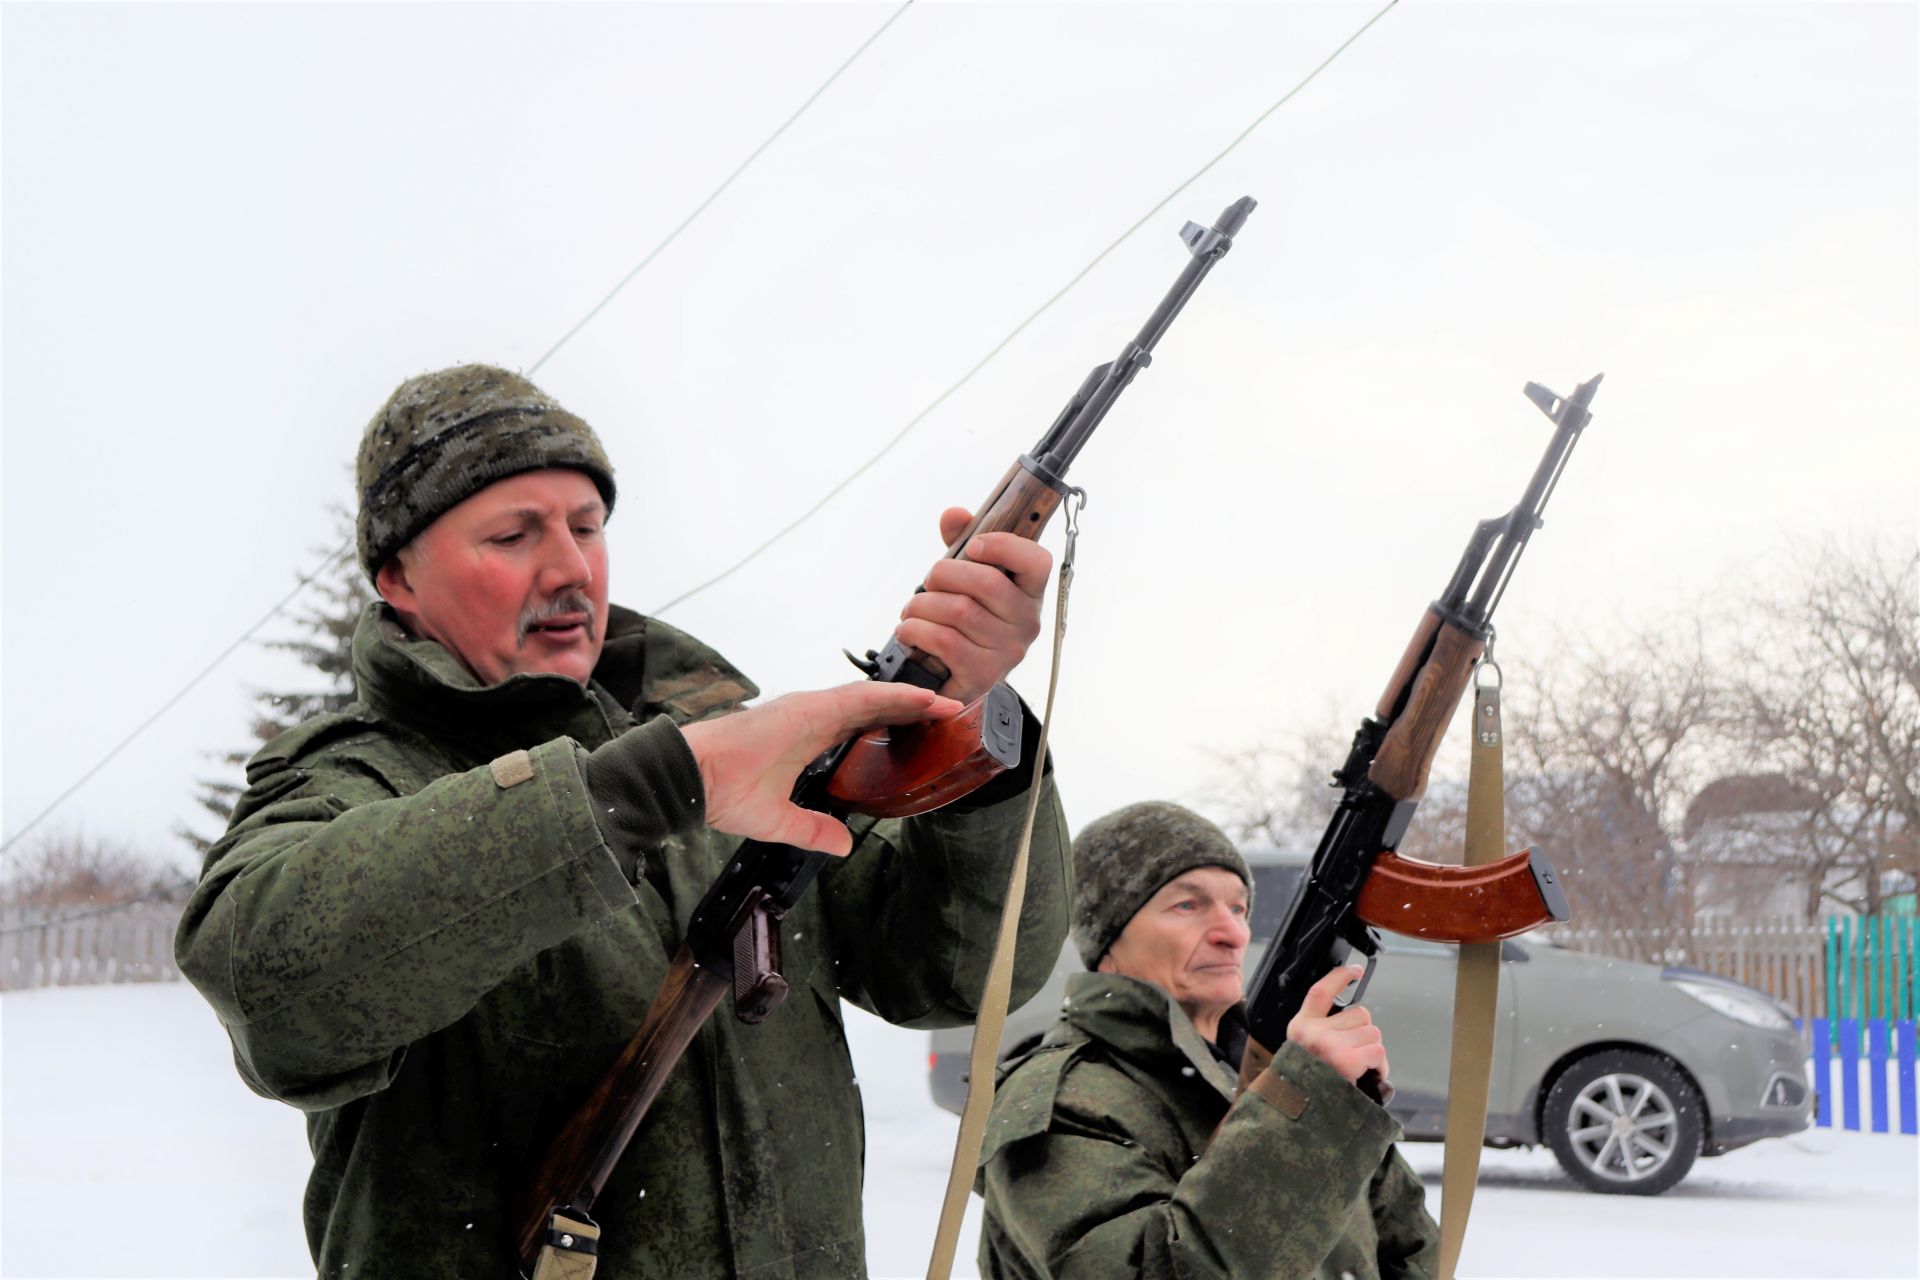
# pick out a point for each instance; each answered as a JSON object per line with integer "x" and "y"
{"x": 524, "y": 515}
{"x": 1194, "y": 886}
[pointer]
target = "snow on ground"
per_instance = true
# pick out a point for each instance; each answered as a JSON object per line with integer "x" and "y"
{"x": 129, "y": 1148}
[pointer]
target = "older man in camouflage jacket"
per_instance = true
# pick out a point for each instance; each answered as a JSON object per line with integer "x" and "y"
{"x": 1116, "y": 1148}
{"x": 438, "y": 916}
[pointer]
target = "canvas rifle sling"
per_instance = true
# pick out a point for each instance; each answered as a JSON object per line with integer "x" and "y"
{"x": 999, "y": 989}
{"x": 1476, "y": 986}
{"x": 572, "y": 1248}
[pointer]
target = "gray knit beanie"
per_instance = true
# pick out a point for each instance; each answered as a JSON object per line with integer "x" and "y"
{"x": 1123, "y": 859}
{"x": 444, "y": 436}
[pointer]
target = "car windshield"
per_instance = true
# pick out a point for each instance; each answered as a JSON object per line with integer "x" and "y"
{"x": 1272, "y": 891}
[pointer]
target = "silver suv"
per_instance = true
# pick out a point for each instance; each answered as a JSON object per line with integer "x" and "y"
{"x": 1627, "y": 1071}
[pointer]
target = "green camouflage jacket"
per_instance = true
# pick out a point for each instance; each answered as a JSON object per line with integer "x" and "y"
{"x": 1102, "y": 1159}
{"x": 419, "y": 938}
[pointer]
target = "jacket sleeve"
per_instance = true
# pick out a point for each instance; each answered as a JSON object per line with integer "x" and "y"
{"x": 1096, "y": 1194}
{"x": 916, "y": 908}
{"x": 336, "y": 922}
{"x": 1409, "y": 1237}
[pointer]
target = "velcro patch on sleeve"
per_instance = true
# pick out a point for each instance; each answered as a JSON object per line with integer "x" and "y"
{"x": 512, "y": 769}
{"x": 1282, "y": 1093}
{"x": 696, "y": 696}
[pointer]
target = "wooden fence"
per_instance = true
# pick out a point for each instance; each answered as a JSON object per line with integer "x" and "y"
{"x": 1787, "y": 961}
{"x": 1851, "y": 967}
{"x": 61, "y": 947}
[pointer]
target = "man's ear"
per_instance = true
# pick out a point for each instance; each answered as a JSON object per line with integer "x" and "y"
{"x": 391, "y": 582}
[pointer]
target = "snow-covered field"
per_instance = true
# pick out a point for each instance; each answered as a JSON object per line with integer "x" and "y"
{"x": 128, "y": 1147}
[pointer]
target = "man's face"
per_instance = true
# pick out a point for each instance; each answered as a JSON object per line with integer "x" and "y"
{"x": 513, "y": 579}
{"x": 1189, "y": 940}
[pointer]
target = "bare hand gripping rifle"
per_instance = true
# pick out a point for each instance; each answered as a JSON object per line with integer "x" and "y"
{"x": 1356, "y": 883}
{"x": 733, "y": 939}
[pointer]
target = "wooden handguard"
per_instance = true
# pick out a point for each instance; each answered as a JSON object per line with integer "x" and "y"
{"x": 910, "y": 769}
{"x": 1460, "y": 904}
{"x": 1401, "y": 765}
{"x": 1022, "y": 503}
{"x": 579, "y": 1159}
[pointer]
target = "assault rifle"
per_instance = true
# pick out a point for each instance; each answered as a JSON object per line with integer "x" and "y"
{"x": 1356, "y": 883}
{"x": 733, "y": 939}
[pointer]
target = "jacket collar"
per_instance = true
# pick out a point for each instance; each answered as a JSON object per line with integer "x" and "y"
{"x": 1143, "y": 1023}
{"x": 646, "y": 668}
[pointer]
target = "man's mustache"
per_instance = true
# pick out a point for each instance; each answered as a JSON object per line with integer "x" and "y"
{"x": 559, "y": 606}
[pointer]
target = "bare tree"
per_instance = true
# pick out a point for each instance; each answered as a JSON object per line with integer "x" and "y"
{"x": 1828, "y": 692}
{"x": 1611, "y": 742}
{"x": 69, "y": 869}
{"x": 1277, "y": 794}
{"x": 1281, "y": 794}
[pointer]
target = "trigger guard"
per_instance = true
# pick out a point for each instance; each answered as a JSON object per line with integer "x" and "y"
{"x": 1347, "y": 953}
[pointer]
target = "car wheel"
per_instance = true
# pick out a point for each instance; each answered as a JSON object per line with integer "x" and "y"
{"x": 1624, "y": 1122}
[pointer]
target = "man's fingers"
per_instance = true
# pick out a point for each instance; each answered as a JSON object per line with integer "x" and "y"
{"x": 1347, "y": 1041}
{"x": 1352, "y": 1018}
{"x": 1320, "y": 996}
{"x": 1368, "y": 1058}
{"x": 1024, "y": 560}
{"x": 986, "y": 586}
{"x": 953, "y": 523}
{"x": 807, "y": 830}
{"x": 870, "y": 702}
{"x": 925, "y": 622}
{"x": 748, "y": 760}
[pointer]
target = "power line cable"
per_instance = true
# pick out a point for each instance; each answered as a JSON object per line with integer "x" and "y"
{"x": 341, "y": 552}
{"x": 1018, "y": 329}
{"x": 168, "y": 705}
{"x": 674, "y": 234}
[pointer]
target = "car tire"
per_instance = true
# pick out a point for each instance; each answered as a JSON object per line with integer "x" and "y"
{"x": 1624, "y": 1122}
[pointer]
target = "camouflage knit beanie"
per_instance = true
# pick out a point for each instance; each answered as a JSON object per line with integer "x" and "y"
{"x": 444, "y": 436}
{"x": 1123, "y": 859}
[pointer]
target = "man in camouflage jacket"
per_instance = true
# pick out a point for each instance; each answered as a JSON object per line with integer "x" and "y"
{"x": 1116, "y": 1148}
{"x": 438, "y": 916}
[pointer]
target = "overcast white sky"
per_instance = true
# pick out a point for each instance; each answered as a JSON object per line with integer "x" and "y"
{"x": 230, "y": 230}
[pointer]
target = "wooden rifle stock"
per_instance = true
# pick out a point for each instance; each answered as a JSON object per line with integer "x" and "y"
{"x": 582, "y": 1155}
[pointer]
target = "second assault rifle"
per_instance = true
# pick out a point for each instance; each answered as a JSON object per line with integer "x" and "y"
{"x": 732, "y": 942}
{"x": 1356, "y": 883}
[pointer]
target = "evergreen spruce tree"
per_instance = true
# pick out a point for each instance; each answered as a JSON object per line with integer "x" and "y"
{"x": 330, "y": 610}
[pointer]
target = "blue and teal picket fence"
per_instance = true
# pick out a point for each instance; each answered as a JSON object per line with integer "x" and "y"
{"x": 1870, "y": 1007}
{"x": 1870, "y": 975}
{"x": 1888, "y": 1042}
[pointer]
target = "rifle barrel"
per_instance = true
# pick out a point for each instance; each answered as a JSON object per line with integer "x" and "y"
{"x": 1570, "y": 419}
{"x": 1062, "y": 443}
